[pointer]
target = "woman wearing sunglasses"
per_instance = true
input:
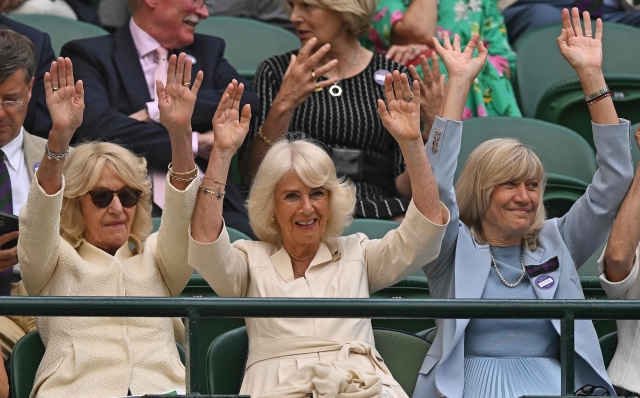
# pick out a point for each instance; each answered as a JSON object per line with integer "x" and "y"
{"x": 85, "y": 232}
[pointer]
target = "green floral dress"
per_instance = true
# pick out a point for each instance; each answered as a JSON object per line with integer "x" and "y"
{"x": 492, "y": 93}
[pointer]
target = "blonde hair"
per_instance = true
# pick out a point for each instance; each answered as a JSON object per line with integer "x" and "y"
{"x": 83, "y": 169}
{"x": 315, "y": 168}
{"x": 357, "y": 14}
{"x": 492, "y": 163}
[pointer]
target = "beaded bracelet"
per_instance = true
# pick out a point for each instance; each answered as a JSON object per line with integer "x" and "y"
{"x": 212, "y": 191}
{"x": 263, "y": 137}
{"x": 603, "y": 96}
{"x": 55, "y": 156}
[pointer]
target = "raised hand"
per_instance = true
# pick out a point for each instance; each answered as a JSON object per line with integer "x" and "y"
{"x": 431, "y": 89}
{"x": 301, "y": 77}
{"x": 401, "y": 115}
{"x": 65, "y": 100}
{"x": 177, "y": 98}
{"x": 583, "y": 51}
{"x": 229, "y": 126}
{"x": 461, "y": 64}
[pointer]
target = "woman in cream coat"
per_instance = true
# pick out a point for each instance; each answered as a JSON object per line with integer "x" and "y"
{"x": 85, "y": 232}
{"x": 299, "y": 208}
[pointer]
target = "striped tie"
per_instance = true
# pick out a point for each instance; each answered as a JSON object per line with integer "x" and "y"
{"x": 6, "y": 205}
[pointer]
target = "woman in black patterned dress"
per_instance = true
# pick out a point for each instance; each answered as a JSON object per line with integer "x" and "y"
{"x": 328, "y": 91}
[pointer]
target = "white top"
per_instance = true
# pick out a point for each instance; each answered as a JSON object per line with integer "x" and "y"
{"x": 20, "y": 183}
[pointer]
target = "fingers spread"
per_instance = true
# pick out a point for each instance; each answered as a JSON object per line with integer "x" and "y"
{"x": 171, "y": 69}
{"x": 69, "y": 72}
{"x": 471, "y": 46}
{"x": 587, "y": 24}
{"x": 315, "y": 58}
{"x": 80, "y": 90}
{"x": 415, "y": 76}
{"x": 382, "y": 110}
{"x": 187, "y": 71}
{"x": 599, "y": 29}
{"x": 160, "y": 93}
{"x": 388, "y": 86}
{"x": 180, "y": 69}
{"x": 575, "y": 19}
{"x": 196, "y": 84}
{"x": 307, "y": 48}
{"x": 446, "y": 41}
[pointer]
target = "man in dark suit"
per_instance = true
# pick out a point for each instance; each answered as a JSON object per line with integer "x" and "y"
{"x": 119, "y": 73}
{"x": 37, "y": 121}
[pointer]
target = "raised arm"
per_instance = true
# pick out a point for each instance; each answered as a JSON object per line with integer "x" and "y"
{"x": 585, "y": 227}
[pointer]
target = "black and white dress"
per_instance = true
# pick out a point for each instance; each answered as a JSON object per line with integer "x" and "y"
{"x": 348, "y": 121}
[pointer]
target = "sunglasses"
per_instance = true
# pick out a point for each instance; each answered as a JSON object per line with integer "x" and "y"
{"x": 102, "y": 198}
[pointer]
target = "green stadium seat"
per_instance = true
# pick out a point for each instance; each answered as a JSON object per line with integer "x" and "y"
{"x": 248, "y": 41}
{"x": 234, "y": 234}
{"x": 608, "y": 345}
{"x": 373, "y": 228}
{"x": 403, "y": 354}
{"x": 557, "y": 96}
{"x": 61, "y": 30}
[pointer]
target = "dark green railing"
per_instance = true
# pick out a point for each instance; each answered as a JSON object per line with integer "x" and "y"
{"x": 195, "y": 308}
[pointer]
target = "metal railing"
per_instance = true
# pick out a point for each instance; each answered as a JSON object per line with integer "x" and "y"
{"x": 194, "y": 308}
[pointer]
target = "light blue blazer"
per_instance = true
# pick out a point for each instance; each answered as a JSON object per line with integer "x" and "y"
{"x": 462, "y": 268}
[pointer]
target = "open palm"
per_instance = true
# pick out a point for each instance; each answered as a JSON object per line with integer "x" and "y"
{"x": 229, "y": 126}
{"x": 461, "y": 64}
{"x": 65, "y": 99}
{"x": 401, "y": 115}
{"x": 177, "y": 99}
{"x": 582, "y": 51}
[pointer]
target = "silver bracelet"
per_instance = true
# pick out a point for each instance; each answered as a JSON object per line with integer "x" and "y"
{"x": 55, "y": 156}
{"x": 602, "y": 91}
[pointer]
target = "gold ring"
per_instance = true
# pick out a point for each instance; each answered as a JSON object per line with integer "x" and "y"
{"x": 408, "y": 99}
{"x": 187, "y": 84}
{"x": 588, "y": 36}
{"x": 413, "y": 49}
{"x": 318, "y": 88}
{"x": 55, "y": 88}
{"x": 313, "y": 74}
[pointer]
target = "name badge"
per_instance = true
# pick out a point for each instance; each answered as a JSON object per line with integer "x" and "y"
{"x": 545, "y": 282}
{"x": 36, "y": 166}
{"x": 380, "y": 75}
{"x": 192, "y": 58}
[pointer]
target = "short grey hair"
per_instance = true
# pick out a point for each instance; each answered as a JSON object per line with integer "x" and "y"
{"x": 16, "y": 52}
{"x": 357, "y": 14}
{"x": 316, "y": 169}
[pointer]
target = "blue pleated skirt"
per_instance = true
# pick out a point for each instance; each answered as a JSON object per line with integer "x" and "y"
{"x": 486, "y": 377}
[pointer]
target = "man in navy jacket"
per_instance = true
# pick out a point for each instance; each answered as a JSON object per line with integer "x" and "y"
{"x": 118, "y": 75}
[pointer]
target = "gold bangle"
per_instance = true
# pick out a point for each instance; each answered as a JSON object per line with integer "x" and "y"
{"x": 183, "y": 179}
{"x": 263, "y": 138}
{"x": 181, "y": 173}
{"x": 214, "y": 180}
{"x": 212, "y": 191}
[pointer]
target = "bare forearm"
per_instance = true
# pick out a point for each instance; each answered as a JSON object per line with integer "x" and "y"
{"x": 455, "y": 97}
{"x": 423, "y": 183}
{"x": 625, "y": 236}
{"x": 603, "y": 111}
{"x": 181, "y": 157}
{"x": 418, "y": 24}
{"x": 206, "y": 222}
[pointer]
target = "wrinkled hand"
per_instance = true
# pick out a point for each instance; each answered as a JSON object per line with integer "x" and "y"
{"x": 403, "y": 53}
{"x": 401, "y": 115}
{"x": 10, "y": 5}
{"x": 431, "y": 89}
{"x": 302, "y": 74}
{"x": 229, "y": 126}
{"x": 8, "y": 257}
{"x": 461, "y": 64}
{"x": 66, "y": 102}
{"x": 584, "y": 53}
{"x": 175, "y": 100}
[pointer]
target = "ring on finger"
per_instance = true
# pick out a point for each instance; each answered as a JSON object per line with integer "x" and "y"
{"x": 55, "y": 88}
{"x": 318, "y": 88}
{"x": 187, "y": 84}
{"x": 588, "y": 36}
{"x": 408, "y": 99}
{"x": 313, "y": 74}
{"x": 413, "y": 49}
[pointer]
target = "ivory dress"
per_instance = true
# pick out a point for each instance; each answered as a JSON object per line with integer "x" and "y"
{"x": 344, "y": 267}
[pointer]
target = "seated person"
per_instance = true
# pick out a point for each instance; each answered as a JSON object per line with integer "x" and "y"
{"x": 325, "y": 91}
{"x": 499, "y": 244}
{"x": 619, "y": 279}
{"x": 492, "y": 93}
{"x": 85, "y": 232}
{"x": 119, "y": 72}
{"x": 299, "y": 207}
{"x": 59, "y": 8}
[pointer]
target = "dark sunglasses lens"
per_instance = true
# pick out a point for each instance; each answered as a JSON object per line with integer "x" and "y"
{"x": 101, "y": 198}
{"x": 129, "y": 198}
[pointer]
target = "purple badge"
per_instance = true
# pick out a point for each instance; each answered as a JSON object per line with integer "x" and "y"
{"x": 36, "y": 166}
{"x": 380, "y": 75}
{"x": 545, "y": 282}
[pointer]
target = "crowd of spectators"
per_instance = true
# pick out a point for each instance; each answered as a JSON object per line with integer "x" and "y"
{"x": 364, "y": 121}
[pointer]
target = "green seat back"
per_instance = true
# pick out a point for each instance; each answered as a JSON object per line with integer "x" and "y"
{"x": 373, "y": 228}
{"x": 156, "y": 224}
{"x": 226, "y": 359}
{"x": 403, "y": 353}
{"x": 61, "y": 30}
{"x": 235, "y": 235}
{"x": 248, "y": 41}
{"x": 608, "y": 345}
{"x": 540, "y": 64}
{"x": 25, "y": 359}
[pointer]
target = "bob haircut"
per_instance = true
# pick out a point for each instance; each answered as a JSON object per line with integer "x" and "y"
{"x": 83, "y": 169}
{"x": 315, "y": 168}
{"x": 357, "y": 14}
{"x": 492, "y": 163}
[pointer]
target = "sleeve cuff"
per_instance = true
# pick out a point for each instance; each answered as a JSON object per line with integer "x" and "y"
{"x": 194, "y": 143}
{"x": 153, "y": 111}
{"x": 615, "y": 290}
{"x": 200, "y": 254}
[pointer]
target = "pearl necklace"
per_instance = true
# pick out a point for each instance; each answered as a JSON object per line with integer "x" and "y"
{"x": 511, "y": 285}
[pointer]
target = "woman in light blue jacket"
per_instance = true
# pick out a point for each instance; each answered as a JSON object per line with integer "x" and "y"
{"x": 499, "y": 244}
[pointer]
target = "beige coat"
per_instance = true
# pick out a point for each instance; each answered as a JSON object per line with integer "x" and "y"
{"x": 99, "y": 356}
{"x": 344, "y": 267}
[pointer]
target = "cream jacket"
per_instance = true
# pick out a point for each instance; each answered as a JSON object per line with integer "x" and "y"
{"x": 99, "y": 356}
{"x": 344, "y": 267}
{"x": 624, "y": 369}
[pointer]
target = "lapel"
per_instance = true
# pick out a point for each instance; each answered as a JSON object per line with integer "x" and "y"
{"x": 128, "y": 64}
{"x": 282, "y": 261}
{"x": 540, "y": 256}
{"x": 33, "y": 148}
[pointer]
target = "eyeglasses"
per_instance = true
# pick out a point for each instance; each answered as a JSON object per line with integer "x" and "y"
{"x": 12, "y": 104}
{"x": 200, "y": 3}
{"x": 591, "y": 390}
{"x": 102, "y": 198}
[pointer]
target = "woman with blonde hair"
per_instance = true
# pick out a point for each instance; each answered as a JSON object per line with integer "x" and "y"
{"x": 299, "y": 207}
{"x": 500, "y": 246}
{"x": 85, "y": 232}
